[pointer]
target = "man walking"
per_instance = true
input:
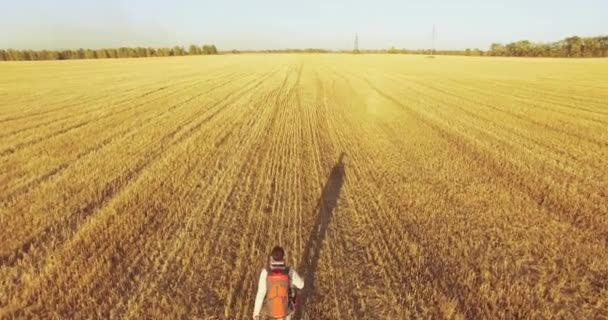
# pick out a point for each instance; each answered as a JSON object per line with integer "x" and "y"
{"x": 277, "y": 286}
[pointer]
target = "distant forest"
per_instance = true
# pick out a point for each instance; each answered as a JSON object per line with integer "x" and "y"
{"x": 124, "y": 52}
{"x": 572, "y": 47}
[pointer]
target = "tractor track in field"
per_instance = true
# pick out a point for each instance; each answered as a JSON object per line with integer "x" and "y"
{"x": 149, "y": 224}
{"x": 505, "y": 141}
{"x": 382, "y": 224}
{"x": 280, "y": 108}
{"x": 541, "y": 125}
{"x": 63, "y": 107}
{"x": 509, "y": 142}
{"x": 72, "y": 116}
{"x": 119, "y": 102}
{"x": 112, "y": 90}
{"x": 435, "y": 269}
{"x": 116, "y": 185}
{"x": 71, "y": 128}
{"x": 558, "y": 99}
{"x": 566, "y": 210}
{"x": 221, "y": 199}
{"x": 528, "y": 101}
{"x": 99, "y": 146}
{"x": 94, "y": 101}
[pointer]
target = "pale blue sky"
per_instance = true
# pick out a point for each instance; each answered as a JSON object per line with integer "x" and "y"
{"x": 273, "y": 24}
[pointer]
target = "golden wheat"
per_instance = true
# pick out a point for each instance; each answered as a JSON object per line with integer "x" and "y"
{"x": 155, "y": 188}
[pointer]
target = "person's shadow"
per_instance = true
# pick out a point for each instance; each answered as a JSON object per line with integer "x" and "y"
{"x": 326, "y": 205}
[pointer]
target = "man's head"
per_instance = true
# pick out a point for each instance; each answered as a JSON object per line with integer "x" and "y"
{"x": 277, "y": 254}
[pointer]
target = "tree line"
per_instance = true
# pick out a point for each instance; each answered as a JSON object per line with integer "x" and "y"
{"x": 572, "y": 47}
{"x": 124, "y": 52}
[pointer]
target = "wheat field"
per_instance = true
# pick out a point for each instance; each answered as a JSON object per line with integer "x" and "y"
{"x": 400, "y": 186}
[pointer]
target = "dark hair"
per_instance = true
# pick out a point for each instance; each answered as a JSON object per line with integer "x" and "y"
{"x": 277, "y": 253}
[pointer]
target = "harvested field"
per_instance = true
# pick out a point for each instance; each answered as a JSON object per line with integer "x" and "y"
{"x": 400, "y": 186}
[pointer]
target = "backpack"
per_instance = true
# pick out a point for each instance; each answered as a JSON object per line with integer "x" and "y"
{"x": 277, "y": 292}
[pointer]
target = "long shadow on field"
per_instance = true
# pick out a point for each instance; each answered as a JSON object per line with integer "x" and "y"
{"x": 326, "y": 205}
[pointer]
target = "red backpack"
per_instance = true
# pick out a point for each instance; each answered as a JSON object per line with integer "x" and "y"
{"x": 277, "y": 292}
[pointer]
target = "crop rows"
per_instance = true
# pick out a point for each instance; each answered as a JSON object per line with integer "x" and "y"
{"x": 399, "y": 186}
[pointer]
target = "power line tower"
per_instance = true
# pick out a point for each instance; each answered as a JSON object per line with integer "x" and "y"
{"x": 356, "y": 48}
{"x": 434, "y": 39}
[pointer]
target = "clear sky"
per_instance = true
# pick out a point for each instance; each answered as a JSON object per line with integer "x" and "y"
{"x": 44, "y": 24}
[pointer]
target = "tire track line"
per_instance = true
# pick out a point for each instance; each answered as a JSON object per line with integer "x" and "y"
{"x": 118, "y": 184}
{"x": 267, "y": 203}
{"x": 380, "y": 225}
{"x": 213, "y": 204}
{"x": 43, "y": 111}
{"x": 458, "y": 205}
{"x": 529, "y": 101}
{"x": 99, "y": 146}
{"x": 101, "y": 97}
{"x": 203, "y": 206}
{"x": 77, "y": 115}
{"x": 582, "y": 215}
{"x": 508, "y": 142}
{"x": 180, "y": 246}
{"x": 187, "y": 133}
{"x": 71, "y": 128}
{"x": 37, "y": 113}
{"x": 577, "y": 136}
{"x": 559, "y": 99}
